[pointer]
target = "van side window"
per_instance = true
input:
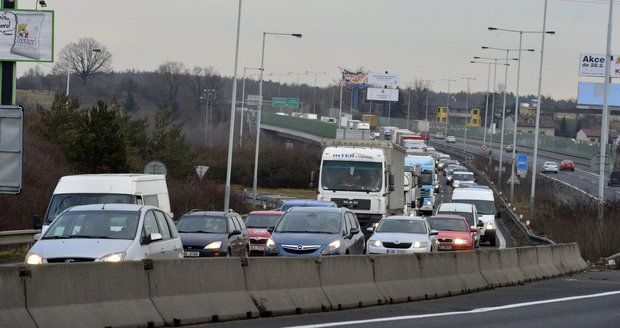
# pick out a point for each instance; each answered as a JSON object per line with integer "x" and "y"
{"x": 163, "y": 225}
{"x": 150, "y": 224}
{"x": 151, "y": 200}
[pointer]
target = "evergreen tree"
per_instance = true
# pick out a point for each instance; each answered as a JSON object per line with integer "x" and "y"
{"x": 563, "y": 128}
{"x": 169, "y": 146}
{"x": 130, "y": 105}
{"x": 58, "y": 123}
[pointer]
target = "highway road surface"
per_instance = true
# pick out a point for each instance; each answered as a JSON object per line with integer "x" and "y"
{"x": 590, "y": 299}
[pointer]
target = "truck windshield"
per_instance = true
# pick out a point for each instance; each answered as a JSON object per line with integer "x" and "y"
{"x": 426, "y": 178}
{"x": 61, "y": 202}
{"x": 351, "y": 176}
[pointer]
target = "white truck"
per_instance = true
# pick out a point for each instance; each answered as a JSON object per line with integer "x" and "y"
{"x": 365, "y": 176}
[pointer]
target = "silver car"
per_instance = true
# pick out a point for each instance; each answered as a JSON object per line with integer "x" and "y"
{"x": 550, "y": 167}
{"x": 400, "y": 235}
{"x": 107, "y": 233}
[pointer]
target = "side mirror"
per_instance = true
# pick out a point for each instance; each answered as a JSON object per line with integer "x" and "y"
{"x": 370, "y": 229}
{"x": 152, "y": 238}
{"x": 313, "y": 178}
{"x": 473, "y": 229}
{"x": 271, "y": 229}
{"x": 36, "y": 222}
{"x": 37, "y": 237}
{"x": 433, "y": 233}
{"x": 234, "y": 233}
{"x": 354, "y": 231}
{"x": 498, "y": 214}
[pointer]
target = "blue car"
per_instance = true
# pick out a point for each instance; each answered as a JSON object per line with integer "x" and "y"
{"x": 316, "y": 231}
{"x": 306, "y": 203}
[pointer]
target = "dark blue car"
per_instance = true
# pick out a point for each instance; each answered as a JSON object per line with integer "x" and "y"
{"x": 206, "y": 234}
{"x": 306, "y": 203}
{"x": 316, "y": 231}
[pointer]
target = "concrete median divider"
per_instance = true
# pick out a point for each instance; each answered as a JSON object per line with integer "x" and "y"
{"x": 398, "y": 277}
{"x": 562, "y": 258}
{"x": 491, "y": 269}
{"x": 509, "y": 262}
{"x": 545, "y": 261}
{"x": 468, "y": 269}
{"x": 576, "y": 259}
{"x": 91, "y": 294}
{"x": 282, "y": 286}
{"x": 13, "y": 311}
{"x": 195, "y": 291}
{"x": 439, "y": 275}
{"x": 528, "y": 263}
{"x": 348, "y": 281}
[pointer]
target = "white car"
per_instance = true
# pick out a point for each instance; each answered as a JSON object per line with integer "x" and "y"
{"x": 400, "y": 235}
{"x": 438, "y": 135}
{"x": 107, "y": 233}
{"x": 451, "y": 139}
{"x": 550, "y": 167}
{"x": 459, "y": 177}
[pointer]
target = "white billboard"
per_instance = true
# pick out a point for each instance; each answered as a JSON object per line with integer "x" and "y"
{"x": 389, "y": 80}
{"x": 27, "y": 35}
{"x": 380, "y": 94}
{"x": 594, "y": 65}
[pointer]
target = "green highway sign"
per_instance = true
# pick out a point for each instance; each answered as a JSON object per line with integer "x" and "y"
{"x": 284, "y": 102}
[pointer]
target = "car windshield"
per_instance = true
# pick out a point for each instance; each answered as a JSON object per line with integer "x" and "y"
{"x": 486, "y": 207}
{"x": 309, "y": 222}
{"x": 463, "y": 177}
{"x": 446, "y": 224}
{"x": 402, "y": 226}
{"x": 467, "y": 215}
{"x": 201, "y": 223}
{"x": 550, "y": 163}
{"x": 261, "y": 220}
{"x": 567, "y": 162}
{"x": 426, "y": 178}
{"x": 351, "y": 176}
{"x": 101, "y": 224}
{"x": 61, "y": 202}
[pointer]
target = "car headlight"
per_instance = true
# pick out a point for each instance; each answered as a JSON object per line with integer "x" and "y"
{"x": 489, "y": 226}
{"x": 420, "y": 244}
{"x": 449, "y": 177}
{"x": 334, "y": 245}
{"x": 114, "y": 257}
{"x": 33, "y": 258}
{"x": 459, "y": 241}
{"x": 214, "y": 245}
{"x": 455, "y": 184}
{"x": 375, "y": 243}
{"x": 428, "y": 202}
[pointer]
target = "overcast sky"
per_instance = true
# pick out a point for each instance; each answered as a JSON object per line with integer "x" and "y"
{"x": 429, "y": 39}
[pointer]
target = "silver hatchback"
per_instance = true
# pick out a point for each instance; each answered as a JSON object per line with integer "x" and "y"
{"x": 107, "y": 233}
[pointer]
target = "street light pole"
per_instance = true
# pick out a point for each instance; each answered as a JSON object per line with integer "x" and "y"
{"x": 314, "y": 89}
{"x": 243, "y": 104}
{"x": 445, "y": 136}
{"x": 428, "y": 90}
{"x": 260, "y": 106}
{"x": 233, "y": 104}
{"x": 466, "y": 108}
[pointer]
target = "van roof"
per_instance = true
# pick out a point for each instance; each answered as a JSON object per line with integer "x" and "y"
{"x": 454, "y": 207}
{"x": 472, "y": 193}
{"x": 103, "y": 183}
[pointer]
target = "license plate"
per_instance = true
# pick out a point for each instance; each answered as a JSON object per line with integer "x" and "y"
{"x": 445, "y": 248}
{"x": 396, "y": 251}
{"x": 257, "y": 247}
{"x": 191, "y": 254}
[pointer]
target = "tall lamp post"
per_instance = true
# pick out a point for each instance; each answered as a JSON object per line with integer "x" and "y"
{"x": 314, "y": 90}
{"x": 243, "y": 103}
{"x": 260, "y": 104}
{"x": 486, "y": 105}
{"x": 466, "y": 108}
{"x": 445, "y": 135}
{"x": 298, "y": 75}
{"x": 233, "y": 104}
{"x": 428, "y": 90}
{"x": 517, "y": 107}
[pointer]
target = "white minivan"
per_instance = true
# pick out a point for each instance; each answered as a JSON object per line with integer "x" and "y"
{"x": 485, "y": 205}
{"x": 73, "y": 190}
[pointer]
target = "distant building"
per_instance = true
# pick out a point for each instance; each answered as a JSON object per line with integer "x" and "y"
{"x": 527, "y": 125}
{"x": 594, "y": 135}
{"x": 459, "y": 116}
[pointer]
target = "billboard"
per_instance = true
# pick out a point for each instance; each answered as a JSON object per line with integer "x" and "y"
{"x": 594, "y": 65}
{"x": 388, "y": 80}
{"x": 382, "y": 94}
{"x": 591, "y": 93}
{"x": 27, "y": 35}
{"x": 11, "y": 149}
{"x": 354, "y": 78}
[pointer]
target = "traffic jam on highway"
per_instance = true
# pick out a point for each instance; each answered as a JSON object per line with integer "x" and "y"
{"x": 377, "y": 196}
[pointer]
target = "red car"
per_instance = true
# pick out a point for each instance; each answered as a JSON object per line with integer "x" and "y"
{"x": 454, "y": 234}
{"x": 257, "y": 223}
{"x": 567, "y": 165}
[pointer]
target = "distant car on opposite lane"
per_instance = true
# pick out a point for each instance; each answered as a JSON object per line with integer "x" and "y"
{"x": 257, "y": 223}
{"x": 206, "y": 234}
{"x": 439, "y": 135}
{"x": 400, "y": 235}
{"x": 567, "y": 165}
{"x": 451, "y": 139}
{"x": 614, "y": 179}
{"x": 550, "y": 167}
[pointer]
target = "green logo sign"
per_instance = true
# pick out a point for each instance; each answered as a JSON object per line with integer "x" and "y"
{"x": 284, "y": 102}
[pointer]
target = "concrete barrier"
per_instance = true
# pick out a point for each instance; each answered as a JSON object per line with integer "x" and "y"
{"x": 509, "y": 262}
{"x": 91, "y": 294}
{"x": 281, "y": 285}
{"x": 195, "y": 291}
{"x": 398, "y": 277}
{"x": 545, "y": 261}
{"x": 490, "y": 268}
{"x": 438, "y": 273}
{"x": 468, "y": 269}
{"x": 13, "y": 311}
{"x": 348, "y": 281}
{"x": 562, "y": 258}
{"x": 576, "y": 258}
{"x": 528, "y": 263}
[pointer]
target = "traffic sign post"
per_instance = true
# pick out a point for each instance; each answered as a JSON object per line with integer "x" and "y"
{"x": 11, "y": 149}
{"x": 522, "y": 164}
{"x": 201, "y": 170}
{"x": 484, "y": 147}
{"x": 284, "y": 102}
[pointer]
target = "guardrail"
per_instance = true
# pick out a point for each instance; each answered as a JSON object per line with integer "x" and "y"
{"x": 17, "y": 237}
{"x": 150, "y": 293}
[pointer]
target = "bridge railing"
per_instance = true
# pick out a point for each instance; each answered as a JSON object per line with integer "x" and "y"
{"x": 314, "y": 127}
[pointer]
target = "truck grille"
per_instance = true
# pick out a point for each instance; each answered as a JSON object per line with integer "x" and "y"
{"x": 394, "y": 245}
{"x": 353, "y": 204}
{"x": 425, "y": 193}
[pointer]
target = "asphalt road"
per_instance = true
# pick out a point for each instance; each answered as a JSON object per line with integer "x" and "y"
{"x": 582, "y": 180}
{"x": 590, "y": 299}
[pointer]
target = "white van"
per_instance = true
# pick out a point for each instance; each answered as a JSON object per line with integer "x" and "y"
{"x": 485, "y": 204}
{"x": 72, "y": 190}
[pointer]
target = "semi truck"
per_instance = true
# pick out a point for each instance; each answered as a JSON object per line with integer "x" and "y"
{"x": 365, "y": 176}
{"x": 427, "y": 180}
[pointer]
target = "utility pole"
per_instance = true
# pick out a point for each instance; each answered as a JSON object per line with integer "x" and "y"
{"x": 466, "y": 109}
{"x": 445, "y": 137}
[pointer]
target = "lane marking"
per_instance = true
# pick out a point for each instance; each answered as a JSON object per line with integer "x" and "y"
{"x": 474, "y": 311}
{"x": 569, "y": 185}
{"x": 587, "y": 172}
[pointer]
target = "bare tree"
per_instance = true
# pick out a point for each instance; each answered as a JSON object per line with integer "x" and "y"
{"x": 201, "y": 78}
{"x": 84, "y": 58}
{"x": 419, "y": 93}
{"x": 171, "y": 73}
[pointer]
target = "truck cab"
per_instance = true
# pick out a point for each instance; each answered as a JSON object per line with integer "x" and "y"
{"x": 427, "y": 180}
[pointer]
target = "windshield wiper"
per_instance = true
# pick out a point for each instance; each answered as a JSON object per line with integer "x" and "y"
{"x": 91, "y": 237}
{"x": 57, "y": 237}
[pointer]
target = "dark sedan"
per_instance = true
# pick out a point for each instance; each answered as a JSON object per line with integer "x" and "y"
{"x": 213, "y": 234}
{"x": 316, "y": 231}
